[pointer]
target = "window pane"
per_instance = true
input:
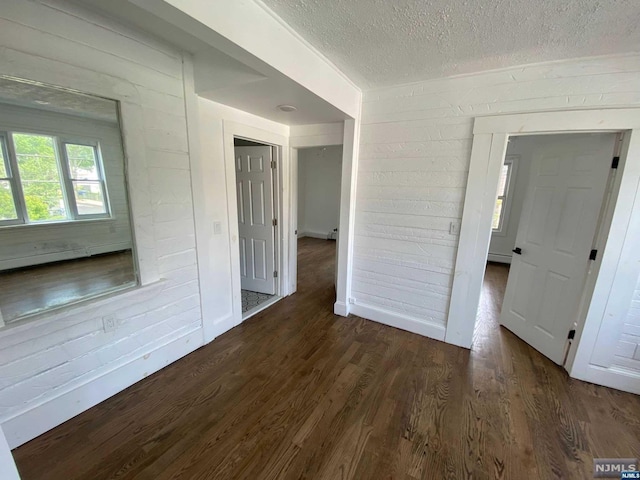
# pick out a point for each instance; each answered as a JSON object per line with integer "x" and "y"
{"x": 40, "y": 177}
{"x": 497, "y": 213}
{"x": 89, "y": 198}
{"x": 7, "y": 207}
{"x": 502, "y": 183}
{"x": 3, "y": 168}
{"x": 82, "y": 162}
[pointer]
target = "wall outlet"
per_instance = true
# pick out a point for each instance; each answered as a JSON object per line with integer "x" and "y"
{"x": 352, "y": 300}
{"x": 109, "y": 323}
{"x": 454, "y": 228}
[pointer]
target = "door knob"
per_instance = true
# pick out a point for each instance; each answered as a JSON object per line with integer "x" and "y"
{"x": 517, "y": 250}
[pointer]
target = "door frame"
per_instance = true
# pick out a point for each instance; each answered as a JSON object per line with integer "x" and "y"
{"x": 490, "y": 136}
{"x": 282, "y": 206}
{"x": 323, "y": 135}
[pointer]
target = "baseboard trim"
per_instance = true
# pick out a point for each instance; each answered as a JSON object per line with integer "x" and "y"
{"x": 341, "y": 308}
{"x": 320, "y": 235}
{"x": 398, "y": 320}
{"x": 612, "y": 377}
{"x": 495, "y": 257}
{"x": 35, "y": 421}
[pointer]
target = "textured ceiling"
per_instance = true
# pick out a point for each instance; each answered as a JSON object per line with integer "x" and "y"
{"x": 44, "y": 97}
{"x": 386, "y": 42}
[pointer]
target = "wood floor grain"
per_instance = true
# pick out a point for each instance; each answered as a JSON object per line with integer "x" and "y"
{"x": 297, "y": 392}
{"x": 30, "y": 290}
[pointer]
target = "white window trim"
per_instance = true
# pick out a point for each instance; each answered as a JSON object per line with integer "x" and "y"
{"x": 7, "y": 151}
{"x": 60, "y": 140}
{"x": 507, "y": 198}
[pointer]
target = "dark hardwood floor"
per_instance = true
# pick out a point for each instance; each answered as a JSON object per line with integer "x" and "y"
{"x": 297, "y": 392}
{"x": 31, "y": 290}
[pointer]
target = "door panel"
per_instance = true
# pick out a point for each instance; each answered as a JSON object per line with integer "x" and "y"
{"x": 556, "y": 232}
{"x": 255, "y": 214}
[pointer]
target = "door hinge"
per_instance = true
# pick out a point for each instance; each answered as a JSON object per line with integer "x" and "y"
{"x": 593, "y": 254}
{"x": 273, "y": 164}
{"x": 275, "y": 222}
{"x": 615, "y": 162}
{"x": 275, "y": 274}
{"x": 571, "y": 335}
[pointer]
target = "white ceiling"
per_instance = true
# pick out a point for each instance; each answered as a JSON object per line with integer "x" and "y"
{"x": 386, "y": 42}
{"x": 246, "y": 82}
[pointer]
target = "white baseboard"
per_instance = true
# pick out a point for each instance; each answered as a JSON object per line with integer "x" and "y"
{"x": 341, "y": 308}
{"x": 38, "y": 419}
{"x": 612, "y": 377}
{"x": 321, "y": 235}
{"x": 499, "y": 258}
{"x": 397, "y": 320}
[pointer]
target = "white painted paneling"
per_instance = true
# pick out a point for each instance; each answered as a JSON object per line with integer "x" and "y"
{"x": 218, "y": 253}
{"x": 62, "y": 362}
{"x": 24, "y": 245}
{"x": 627, "y": 353}
{"x": 320, "y": 173}
{"x": 414, "y": 159}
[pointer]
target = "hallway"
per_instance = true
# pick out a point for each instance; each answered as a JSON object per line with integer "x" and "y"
{"x": 297, "y": 392}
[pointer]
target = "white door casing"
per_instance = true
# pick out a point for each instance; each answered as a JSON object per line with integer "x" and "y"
{"x": 254, "y": 189}
{"x": 556, "y": 233}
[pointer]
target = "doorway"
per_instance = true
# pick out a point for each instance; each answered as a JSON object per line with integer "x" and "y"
{"x": 549, "y": 206}
{"x": 257, "y": 207}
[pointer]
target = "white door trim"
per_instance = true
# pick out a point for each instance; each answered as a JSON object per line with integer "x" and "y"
{"x": 488, "y": 150}
{"x": 283, "y": 206}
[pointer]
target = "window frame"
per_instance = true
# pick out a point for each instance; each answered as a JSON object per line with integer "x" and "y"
{"x": 63, "y": 141}
{"x": 6, "y": 144}
{"x": 511, "y": 161}
{"x": 59, "y": 143}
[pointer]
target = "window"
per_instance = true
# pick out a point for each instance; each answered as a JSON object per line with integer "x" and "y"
{"x": 44, "y": 178}
{"x": 499, "y": 211}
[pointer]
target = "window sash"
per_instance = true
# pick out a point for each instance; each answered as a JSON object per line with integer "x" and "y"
{"x": 11, "y": 168}
{"x": 62, "y": 163}
{"x": 505, "y": 196}
{"x": 70, "y": 181}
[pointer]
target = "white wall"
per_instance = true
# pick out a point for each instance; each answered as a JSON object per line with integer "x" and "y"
{"x": 23, "y": 245}
{"x": 62, "y": 363}
{"x": 217, "y": 254}
{"x": 627, "y": 353}
{"x": 413, "y": 168}
{"x": 319, "y": 181}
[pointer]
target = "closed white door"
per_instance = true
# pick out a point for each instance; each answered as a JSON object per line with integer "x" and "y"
{"x": 567, "y": 183}
{"x": 254, "y": 187}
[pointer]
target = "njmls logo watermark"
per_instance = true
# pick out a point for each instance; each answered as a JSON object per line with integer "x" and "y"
{"x": 615, "y": 468}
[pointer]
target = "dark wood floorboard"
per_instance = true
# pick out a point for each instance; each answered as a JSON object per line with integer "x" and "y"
{"x": 33, "y": 289}
{"x": 297, "y": 392}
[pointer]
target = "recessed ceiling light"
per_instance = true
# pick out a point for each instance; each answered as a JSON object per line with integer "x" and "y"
{"x": 287, "y": 108}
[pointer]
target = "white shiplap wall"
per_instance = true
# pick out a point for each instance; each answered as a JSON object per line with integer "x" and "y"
{"x": 627, "y": 353}
{"x": 413, "y": 168}
{"x": 23, "y": 245}
{"x": 56, "y": 366}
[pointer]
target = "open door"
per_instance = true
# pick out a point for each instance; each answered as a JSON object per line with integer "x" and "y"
{"x": 255, "y": 218}
{"x": 555, "y": 236}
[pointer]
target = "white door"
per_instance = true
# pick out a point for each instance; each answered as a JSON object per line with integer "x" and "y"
{"x": 254, "y": 187}
{"x": 567, "y": 183}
